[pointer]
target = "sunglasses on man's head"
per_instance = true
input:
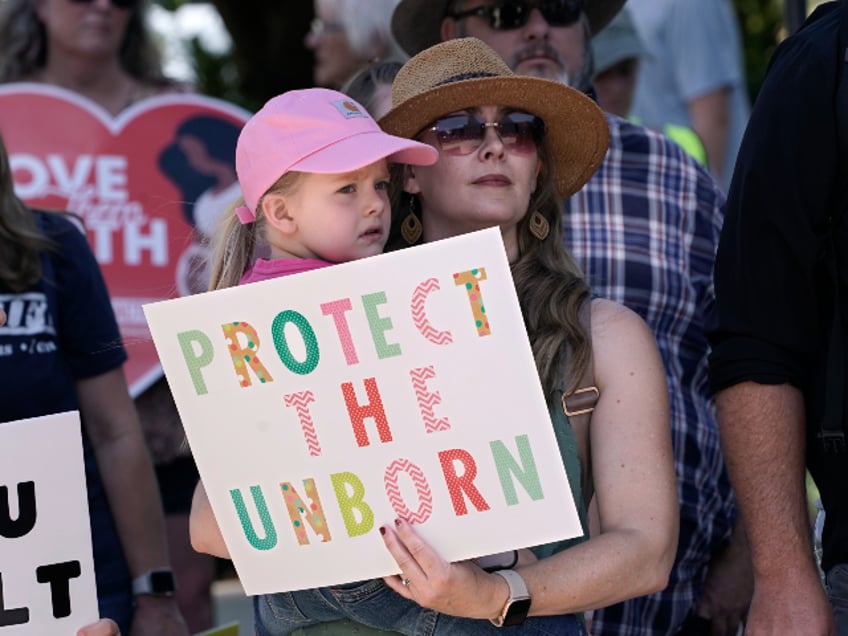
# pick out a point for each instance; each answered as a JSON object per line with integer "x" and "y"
{"x": 513, "y": 14}
{"x": 120, "y": 4}
{"x": 463, "y": 133}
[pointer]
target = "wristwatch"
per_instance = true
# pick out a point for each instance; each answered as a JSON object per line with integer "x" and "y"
{"x": 518, "y": 603}
{"x": 157, "y": 582}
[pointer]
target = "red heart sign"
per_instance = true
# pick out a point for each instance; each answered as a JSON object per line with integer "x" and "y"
{"x": 148, "y": 184}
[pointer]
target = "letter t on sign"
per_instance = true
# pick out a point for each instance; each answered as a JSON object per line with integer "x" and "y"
{"x": 471, "y": 281}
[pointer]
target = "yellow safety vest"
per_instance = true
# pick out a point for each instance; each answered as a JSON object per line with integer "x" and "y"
{"x": 684, "y": 137}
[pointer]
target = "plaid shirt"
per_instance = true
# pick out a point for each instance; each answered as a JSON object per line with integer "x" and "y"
{"x": 645, "y": 231}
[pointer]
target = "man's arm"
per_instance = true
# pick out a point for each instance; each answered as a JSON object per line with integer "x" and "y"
{"x": 710, "y": 115}
{"x": 728, "y": 587}
{"x": 763, "y": 438}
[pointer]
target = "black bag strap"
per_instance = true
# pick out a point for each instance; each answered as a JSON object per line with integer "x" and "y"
{"x": 832, "y": 432}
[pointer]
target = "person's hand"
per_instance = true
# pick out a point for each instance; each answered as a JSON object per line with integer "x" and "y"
{"x": 157, "y": 616}
{"x": 727, "y": 590}
{"x": 103, "y": 627}
{"x": 795, "y": 604}
{"x": 2, "y": 317}
{"x": 459, "y": 589}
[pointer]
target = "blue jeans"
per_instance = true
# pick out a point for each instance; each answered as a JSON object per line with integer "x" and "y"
{"x": 374, "y": 604}
{"x": 837, "y": 591}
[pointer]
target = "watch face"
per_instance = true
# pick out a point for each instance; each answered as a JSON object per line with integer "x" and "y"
{"x": 162, "y": 582}
{"x": 517, "y": 611}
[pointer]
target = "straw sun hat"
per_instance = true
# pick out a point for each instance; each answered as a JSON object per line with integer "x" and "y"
{"x": 417, "y": 24}
{"x": 466, "y": 72}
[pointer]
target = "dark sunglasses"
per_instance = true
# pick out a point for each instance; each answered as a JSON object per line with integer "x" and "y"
{"x": 514, "y": 14}
{"x": 120, "y": 4}
{"x": 462, "y": 134}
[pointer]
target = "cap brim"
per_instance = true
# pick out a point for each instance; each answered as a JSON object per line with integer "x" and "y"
{"x": 576, "y": 128}
{"x": 601, "y": 12}
{"x": 362, "y": 149}
{"x": 417, "y": 24}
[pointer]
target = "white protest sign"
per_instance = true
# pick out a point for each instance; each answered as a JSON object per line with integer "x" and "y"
{"x": 46, "y": 566}
{"x": 323, "y": 405}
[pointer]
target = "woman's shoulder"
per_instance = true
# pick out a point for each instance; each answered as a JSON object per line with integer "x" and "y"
{"x": 620, "y": 336}
{"x": 67, "y": 232}
{"x": 610, "y": 318}
{"x": 57, "y": 225}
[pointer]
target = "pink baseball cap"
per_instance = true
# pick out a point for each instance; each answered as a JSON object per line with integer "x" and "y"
{"x": 314, "y": 130}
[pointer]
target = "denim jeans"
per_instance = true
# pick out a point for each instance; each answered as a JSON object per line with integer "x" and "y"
{"x": 372, "y": 603}
{"x": 837, "y": 590}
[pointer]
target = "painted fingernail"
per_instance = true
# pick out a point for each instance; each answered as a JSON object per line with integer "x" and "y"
{"x": 398, "y": 521}
{"x": 382, "y": 530}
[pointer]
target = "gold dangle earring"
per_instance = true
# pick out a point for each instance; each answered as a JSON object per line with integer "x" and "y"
{"x": 410, "y": 227}
{"x": 539, "y": 226}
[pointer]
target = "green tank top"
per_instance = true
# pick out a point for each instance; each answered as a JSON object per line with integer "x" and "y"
{"x": 567, "y": 443}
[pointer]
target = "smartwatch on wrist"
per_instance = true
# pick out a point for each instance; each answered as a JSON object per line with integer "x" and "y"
{"x": 518, "y": 604}
{"x": 159, "y": 582}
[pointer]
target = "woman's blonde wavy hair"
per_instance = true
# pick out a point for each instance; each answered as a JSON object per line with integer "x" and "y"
{"x": 550, "y": 286}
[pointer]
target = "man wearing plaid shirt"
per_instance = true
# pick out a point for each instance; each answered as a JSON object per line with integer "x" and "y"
{"x": 645, "y": 231}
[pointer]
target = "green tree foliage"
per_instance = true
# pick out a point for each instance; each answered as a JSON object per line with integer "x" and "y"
{"x": 267, "y": 57}
{"x": 762, "y": 26}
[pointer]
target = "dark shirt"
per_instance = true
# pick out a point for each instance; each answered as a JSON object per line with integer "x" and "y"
{"x": 60, "y": 330}
{"x": 773, "y": 291}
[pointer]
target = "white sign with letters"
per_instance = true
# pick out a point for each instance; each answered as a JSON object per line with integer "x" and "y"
{"x": 324, "y": 405}
{"x": 46, "y": 566}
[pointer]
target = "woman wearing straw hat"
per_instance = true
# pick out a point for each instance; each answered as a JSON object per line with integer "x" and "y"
{"x": 510, "y": 147}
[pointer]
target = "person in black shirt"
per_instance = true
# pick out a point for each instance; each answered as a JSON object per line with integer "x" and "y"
{"x": 776, "y": 308}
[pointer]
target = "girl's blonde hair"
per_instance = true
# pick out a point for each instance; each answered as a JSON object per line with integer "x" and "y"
{"x": 235, "y": 246}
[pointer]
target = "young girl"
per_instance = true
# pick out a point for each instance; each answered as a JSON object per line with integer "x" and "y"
{"x": 313, "y": 168}
{"x": 314, "y": 174}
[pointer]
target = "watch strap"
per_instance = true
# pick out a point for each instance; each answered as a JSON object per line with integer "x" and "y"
{"x": 159, "y": 582}
{"x": 518, "y": 601}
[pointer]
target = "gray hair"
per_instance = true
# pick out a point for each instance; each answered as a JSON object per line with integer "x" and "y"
{"x": 364, "y": 84}
{"x": 367, "y": 25}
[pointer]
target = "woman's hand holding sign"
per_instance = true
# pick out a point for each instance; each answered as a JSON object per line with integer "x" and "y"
{"x": 450, "y": 588}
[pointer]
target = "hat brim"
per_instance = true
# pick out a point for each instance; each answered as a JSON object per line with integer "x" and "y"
{"x": 417, "y": 24}
{"x": 362, "y": 149}
{"x": 576, "y": 128}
